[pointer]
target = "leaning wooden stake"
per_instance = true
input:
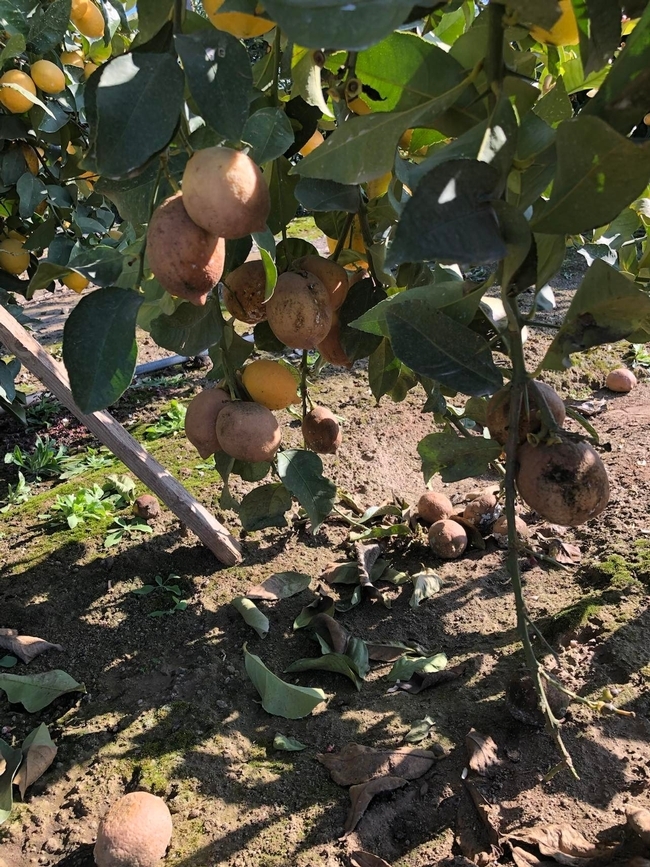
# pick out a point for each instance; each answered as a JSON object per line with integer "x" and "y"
{"x": 102, "y": 424}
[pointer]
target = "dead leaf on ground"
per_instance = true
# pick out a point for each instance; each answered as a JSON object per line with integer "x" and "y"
{"x": 25, "y": 647}
{"x": 472, "y": 834}
{"x": 639, "y": 822}
{"x": 391, "y": 652}
{"x": 420, "y": 680}
{"x": 362, "y": 794}
{"x": 341, "y": 573}
{"x": 280, "y": 585}
{"x": 38, "y": 754}
{"x": 473, "y": 533}
{"x": 562, "y": 843}
{"x": 357, "y": 763}
{"x": 589, "y": 407}
{"x": 334, "y": 634}
{"x": 482, "y": 752}
{"x": 367, "y": 859}
{"x": 489, "y": 814}
{"x": 563, "y": 552}
{"x": 367, "y": 555}
{"x": 522, "y": 858}
{"x": 550, "y": 530}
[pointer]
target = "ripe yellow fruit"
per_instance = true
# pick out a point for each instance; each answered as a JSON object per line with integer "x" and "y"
{"x": 270, "y": 384}
{"x": 72, "y": 58}
{"x": 89, "y": 68}
{"x": 378, "y": 186}
{"x": 90, "y": 23}
{"x": 48, "y": 76}
{"x": 13, "y": 257}
{"x": 357, "y": 244}
{"x": 79, "y": 8}
{"x": 311, "y": 144}
{"x": 358, "y": 106}
{"x": 76, "y": 282}
{"x": 239, "y": 24}
{"x": 563, "y": 32}
{"x": 12, "y": 99}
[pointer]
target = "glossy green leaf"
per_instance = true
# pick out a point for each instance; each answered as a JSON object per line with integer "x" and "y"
{"x": 270, "y": 133}
{"x": 189, "y": 329}
{"x": 319, "y": 195}
{"x": 287, "y": 744}
{"x": 31, "y": 192}
{"x": 152, "y": 14}
{"x": 134, "y": 196}
{"x": 282, "y": 187}
{"x": 406, "y": 665}
{"x": 14, "y": 46}
{"x": 48, "y": 26}
{"x": 278, "y": 697}
{"x": 265, "y": 506}
{"x": 337, "y": 663}
{"x": 11, "y": 760}
{"x": 383, "y": 370}
{"x": 36, "y": 691}
{"x": 252, "y": 615}
{"x": 456, "y": 457}
{"x": 302, "y": 473}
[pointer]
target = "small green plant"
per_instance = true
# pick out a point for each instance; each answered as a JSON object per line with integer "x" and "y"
{"x": 172, "y": 591}
{"x": 160, "y": 381}
{"x": 169, "y": 424}
{"x": 125, "y": 527}
{"x": 86, "y": 504}
{"x": 47, "y": 459}
{"x": 120, "y": 488}
{"x": 639, "y": 355}
{"x": 42, "y": 412}
{"x": 93, "y": 459}
{"x": 17, "y": 494}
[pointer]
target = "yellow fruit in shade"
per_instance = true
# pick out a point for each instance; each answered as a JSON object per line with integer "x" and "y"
{"x": 358, "y": 106}
{"x": 405, "y": 139}
{"x": 646, "y": 119}
{"x": 357, "y": 244}
{"x": 12, "y": 99}
{"x": 270, "y": 384}
{"x": 47, "y": 76}
{"x": 563, "y": 32}
{"x": 79, "y": 8}
{"x": 76, "y": 282}
{"x": 13, "y": 256}
{"x": 311, "y": 144}
{"x": 239, "y": 24}
{"x": 72, "y": 58}
{"x": 89, "y": 68}
{"x": 90, "y": 23}
{"x": 378, "y": 186}
{"x": 115, "y": 234}
{"x": 17, "y": 236}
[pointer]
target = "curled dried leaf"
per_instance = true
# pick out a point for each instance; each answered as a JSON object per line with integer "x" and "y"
{"x": 362, "y": 794}
{"x": 25, "y": 647}
{"x": 39, "y": 751}
{"x": 358, "y": 764}
{"x": 562, "y": 843}
{"x": 334, "y": 634}
{"x": 367, "y": 859}
{"x": 482, "y": 752}
{"x": 420, "y": 681}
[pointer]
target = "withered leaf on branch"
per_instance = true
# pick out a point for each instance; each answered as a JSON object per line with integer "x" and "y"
{"x": 358, "y": 764}
{"x": 25, "y": 647}
{"x": 562, "y": 843}
{"x": 482, "y": 752}
{"x": 420, "y": 680}
{"x": 367, "y": 859}
{"x": 362, "y": 794}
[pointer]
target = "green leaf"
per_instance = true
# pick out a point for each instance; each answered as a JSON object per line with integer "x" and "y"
{"x": 599, "y": 172}
{"x": 252, "y": 615}
{"x": 381, "y": 533}
{"x": 337, "y": 663}
{"x": 189, "y": 329}
{"x": 555, "y": 106}
{"x": 606, "y": 307}
{"x": 11, "y": 761}
{"x": 282, "y": 187}
{"x": 434, "y": 345}
{"x": 419, "y": 730}
{"x": 270, "y": 272}
{"x": 361, "y": 297}
{"x": 102, "y": 265}
{"x": 48, "y": 26}
{"x": 302, "y": 473}
{"x": 450, "y": 217}
{"x": 278, "y": 697}
{"x": 14, "y": 46}
{"x": 321, "y": 605}
{"x": 36, "y": 691}
{"x": 407, "y": 665}
{"x": 133, "y": 196}
{"x": 31, "y": 192}
{"x": 280, "y": 585}
{"x": 219, "y": 76}
{"x": 265, "y": 507}
{"x": 8, "y": 661}
{"x": 270, "y": 133}
{"x": 383, "y": 370}
{"x": 456, "y": 457}
{"x": 288, "y": 744}
{"x": 138, "y": 103}
{"x": 152, "y": 14}
{"x": 425, "y": 585}
{"x": 99, "y": 346}
{"x": 318, "y": 195}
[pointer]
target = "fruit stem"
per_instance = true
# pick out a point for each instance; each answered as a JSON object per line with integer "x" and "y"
{"x": 494, "y": 68}
{"x": 275, "y": 86}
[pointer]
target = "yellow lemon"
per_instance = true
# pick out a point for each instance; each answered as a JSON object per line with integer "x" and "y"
{"x": 378, "y": 186}
{"x": 79, "y": 8}
{"x": 72, "y": 58}
{"x": 12, "y": 99}
{"x": 239, "y": 24}
{"x": 311, "y": 144}
{"x": 48, "y": 76}
{"x": 356, "y": 244}
{"x": 91, "y": 23}
{"x": 115, "y": 234}
{"x": 13, "y": 257}
{"x": 270, "y": 384}
{"x": 89, "y": 68}
{"x": 76, "y": 282}
{"x": 563, "y": 32}
{"x": 358, "y": 106}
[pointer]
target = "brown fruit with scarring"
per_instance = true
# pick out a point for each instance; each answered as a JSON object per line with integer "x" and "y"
{"x": 433, "y": 506}
{"x": 498, "y": 409}
{"x": 201, "y": 419}
{"x": 135, "y": 832}
{"x": 620, "y": 380}
{"x": 482, "y": 511}
{"x": 248, "y": 432}
{"x": 244, "y": 290}
{"x": 186, "y": 260}
{"x": 447, "y": 539}
{"x": 299, "y": 311}
{"x": 331, "y": 348}
{"x": 332, "y": 275}
{"x": 321, "y": 431}
{"x": 566, "y": 483}
{"x": 500, "y": 529}
{"x": 225, "y": 193}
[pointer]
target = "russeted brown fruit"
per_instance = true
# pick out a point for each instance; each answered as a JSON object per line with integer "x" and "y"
{"x": 500, "y": 529}
{"x": 447, "y": 539}
{"x": 243, "y": 292}
{"x": 225, "y": 192}
{"x": 333, "y": 276}
{"x": 565, "y": 483}
{"x": 321, "y": 431}
{"x": 433, "y": 506}
{"x": 482, "y": 510}
{"x": 299, "y": 311}
{"x": 135, "y": 832}
{"x": 201, "y": 420}
{"x": 248, "y": 432}
{"x": 620, "y": 380}
{"x": 498, "y": 409}
{"x": 186, "y": 260}
{"x": 331, "y": 348}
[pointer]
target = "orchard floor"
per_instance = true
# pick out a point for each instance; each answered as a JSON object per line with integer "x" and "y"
{"x": 169, "y": 707}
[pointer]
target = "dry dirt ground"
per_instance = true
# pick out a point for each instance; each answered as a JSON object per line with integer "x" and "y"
{"x": 169, "y": 708}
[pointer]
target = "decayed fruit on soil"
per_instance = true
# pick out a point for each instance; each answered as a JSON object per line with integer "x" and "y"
{"x": 447, "y": 539}
{"x": 331, "y": 347}
{"x": 243, "y": 25}
{"x": 12, "y": 99}
{"x": 482, "y": 511}
{"x": 248, "y": 432}
{"x": 500, "y": 529}
{"x": 299, "y": 311}
{"x": 146, "y": 507}
{"x": 186, "y": 260}
{"x": 433, "y": 506}
{"x": 13, "y": 256}
{"x": 566, "y": 483}
{"x": 47, "y": 76}
{"x": 244, "y": 291}
{"x": 90, "y": 22}
{"x": 76, "y": 282}
{"x": 135, "y": 832}
{"x": 332, "y": 275}
{"x": 563, "y": 32}
{"x": 225, "y": 193}
{"x": 498, "y": 410}
{"x": 270, "y": 383}
{"x": 620, "y": 380}
{"x": 321, "y": 431}
{"x": 201, "y": 420}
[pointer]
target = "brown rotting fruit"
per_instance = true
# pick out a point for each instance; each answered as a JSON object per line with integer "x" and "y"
{"x": 248, "y": 431}
{"x": 299, "y": 311}
{"x": 201, "y": 419}
{"x": 498, "y": 410}
{"x": 321, "y": 431}
{"x": 244, "y": 291}
{"x": 447, "y": 539}
{"x": 434, "y": 506}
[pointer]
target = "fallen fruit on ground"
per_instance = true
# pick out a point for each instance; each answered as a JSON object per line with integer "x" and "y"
{"x": 146, "y": 507}
{"x": 332, "y": 275}
{"x": 201, "y": 419}
{"x": 225, "y": 193}
{"x": 90, "y": 22}
{"x": 498, "y": 410}
{"x": 12, "y": 99}
{"x": 186, "y": 260}
{"x": 76, "y": 282}
{"x": 270, "y": 384}
{"x": 566, "y": 483}
{"x": 135, "y": 832}
{"x": 239, "y": 24}
{"x": 563, "y": 32}
{"x": 248, "y": 432}
{"x": 13, "y": 256}
{"x": 331, "y": 347}
{"x": 481, "y": 511}
{"x": 299, "y": 311}
{"x": 433, "y": 506}
{"x": 321, "y": 431}
{"x": 244, "y": 291}
{"x": 620, "y": 380}
{"x": 500, "y": 528}
{"x": 47, "y": 76}
{"x": 312, "y": 143}
{"x": 447, "y": 539}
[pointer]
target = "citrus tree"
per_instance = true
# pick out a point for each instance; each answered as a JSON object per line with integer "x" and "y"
{"x": 148, "y": 147}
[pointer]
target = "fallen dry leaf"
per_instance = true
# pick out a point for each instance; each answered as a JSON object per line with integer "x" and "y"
{"x": 336, "y": 636}
{"x": 473, "y": 835}
{"x": 367, "y": 859}
{"x": 562, "y": 843}
{"x": 362, "y": 794}
{"x": 489, "y": 814}
{"x": 482, "y": 752}
{"x": 25, "y": 647}
{"x": 38, "y": 754}
{"x": 280, "y": 585}
{"x": 367, "y": 555}
{"x": 420, "y": 680}
{"x": 563, "y": 552}
{"x": 357, "y": 764}
{"x": 522, "y": 858}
